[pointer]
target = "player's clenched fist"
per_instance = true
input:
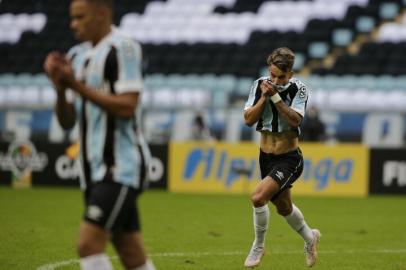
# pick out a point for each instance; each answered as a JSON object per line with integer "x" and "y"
{"x": 52, "y": 64}
{"x": 267, "y": 89}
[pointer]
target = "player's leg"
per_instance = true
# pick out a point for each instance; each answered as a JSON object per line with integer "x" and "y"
{"x": 296, "y": 220}
{"x": 91, "y": 245}
{"x": 292, "y": 214}
{"x": 264, "y": 191}
{"x": 130, "y": 247}
{"x": 104, "y": 201}
{"x": 259, "y": 198}
{"x": 127, "y": 237}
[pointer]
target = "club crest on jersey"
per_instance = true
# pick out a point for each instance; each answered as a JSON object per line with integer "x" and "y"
{"x": 302, "y": 92}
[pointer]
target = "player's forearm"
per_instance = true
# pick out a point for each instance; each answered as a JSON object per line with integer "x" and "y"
{"x": 64, "y": 111}
{"x": 253, "y": 114}
{"x": 117, "y": 105}
{"x": 287, "y": 113}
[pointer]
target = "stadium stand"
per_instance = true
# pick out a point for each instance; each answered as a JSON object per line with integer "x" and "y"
{"x": 222, "y": 36}
{"x": 205, "y": 53}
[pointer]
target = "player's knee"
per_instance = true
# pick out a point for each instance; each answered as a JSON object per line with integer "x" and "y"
{"x": 131, "y": 259}
{"x": 87, "y": 248}
{"x": 83, "y": 248}
{"x": 258, "y": 199}
{"x": 131, "y": 262}
{"x": 284, "y": 208}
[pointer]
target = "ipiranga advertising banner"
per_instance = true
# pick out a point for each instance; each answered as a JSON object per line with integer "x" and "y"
{"x": 340, "y": 170}
{"x": 213, "y": 167}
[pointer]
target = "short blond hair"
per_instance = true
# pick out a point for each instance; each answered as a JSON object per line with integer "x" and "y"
{"x": 283, "y": 58}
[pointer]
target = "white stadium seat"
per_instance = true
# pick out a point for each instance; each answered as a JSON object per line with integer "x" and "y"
{"x": 201, "y": 24}
{"x": 12, "y": 26}
{"x": 393, "y": 32}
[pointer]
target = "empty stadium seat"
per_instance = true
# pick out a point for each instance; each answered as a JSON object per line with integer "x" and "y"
{"x": 342, "y": 37}
{"x": 388, "y": 11}
{"x": 365, "y": 24}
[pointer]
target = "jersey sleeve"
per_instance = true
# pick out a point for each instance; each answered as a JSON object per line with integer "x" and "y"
{"x": 299, "y": 102}
{"x": 129, "y": 58}
{"x": 253, "y": 96}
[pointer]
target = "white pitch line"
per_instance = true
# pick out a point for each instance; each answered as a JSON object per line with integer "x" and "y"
{"x": 56, "y": 265}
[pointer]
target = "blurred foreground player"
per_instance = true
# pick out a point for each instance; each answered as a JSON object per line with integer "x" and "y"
{"x": 104, "y": 72}
{"x": 277, "y": 104}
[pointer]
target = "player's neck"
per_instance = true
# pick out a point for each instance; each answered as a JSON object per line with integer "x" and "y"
{"x": 104, "y": 31}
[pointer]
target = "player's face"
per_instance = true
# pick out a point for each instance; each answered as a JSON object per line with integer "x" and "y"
{"x": 83, "y": 19}
{"x": 278, "y": 76}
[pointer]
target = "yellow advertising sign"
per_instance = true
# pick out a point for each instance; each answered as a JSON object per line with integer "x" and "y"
{"x": 340, "y": 170}
{"x": 213, "y": 167}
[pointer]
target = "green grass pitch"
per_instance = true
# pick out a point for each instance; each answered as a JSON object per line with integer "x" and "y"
{"x": 38, "y": 230}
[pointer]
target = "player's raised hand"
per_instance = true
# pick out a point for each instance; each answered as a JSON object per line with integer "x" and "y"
{"x": 267, "y": 89}
{"x": 66, "y": 71}
{"x": 51, "y": 63}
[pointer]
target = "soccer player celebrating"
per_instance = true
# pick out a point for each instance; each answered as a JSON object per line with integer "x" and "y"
{"x": 277, "y": 104}
{"x": 104, "y": 73}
